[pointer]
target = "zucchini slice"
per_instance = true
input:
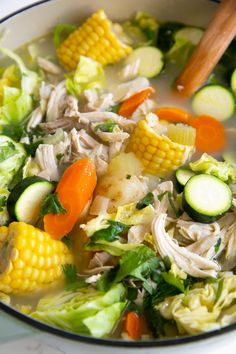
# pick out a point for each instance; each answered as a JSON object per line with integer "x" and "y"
{"x": 151, "y": 61}
{"x": 206, "y": 198}
{"x": 233, "y": 81}
{"x": 189, "y": 34}
{"x": 25, "y": 199}
{"x": 182, "y": 175}
{"x": 214, "y": 100}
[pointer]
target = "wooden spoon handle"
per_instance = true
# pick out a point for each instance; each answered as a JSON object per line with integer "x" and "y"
{"x": 219, "y": 34}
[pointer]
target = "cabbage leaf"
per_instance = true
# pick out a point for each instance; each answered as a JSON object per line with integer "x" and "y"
{"x": 12, "y": 156}
{"x": 86, "y": 311}
{"x": 204, "y": 308}
{"x": 88, "y": 74}
{"x": 209, "y": 165}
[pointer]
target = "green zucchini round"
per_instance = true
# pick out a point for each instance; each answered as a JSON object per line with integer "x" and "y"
{"x": 26, "y": 198}
{"x": 206, "y": 198}
{"x": 182, "y": 175}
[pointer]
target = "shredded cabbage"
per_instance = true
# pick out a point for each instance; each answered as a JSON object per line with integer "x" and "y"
{"x": 142, "y": 29}
{"x": 12, "y": 156}
{"x": 29, "y": 79}
{"x": 87, "y": 311}
{"x": 209, "y": 165}
{"x": 203, "y": 308}
{"x": 127, "y": 214}
{"x": 88, "y": 74}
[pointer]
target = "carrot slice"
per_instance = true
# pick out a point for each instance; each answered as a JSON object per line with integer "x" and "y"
{"x": 133, "y": 325}
{"x": 173, "y": 115}
{"x": 130, "y": 105}
{"x": 74, "y": 190}
{"x": 210, "y": 133}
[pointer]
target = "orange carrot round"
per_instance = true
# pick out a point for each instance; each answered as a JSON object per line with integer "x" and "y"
{"x": 210, "y": 133}
{"x": 133, "y": 325}
{"x": 173, "y": 115}
{"x": 130, "y": 105}
{"x": 74, "y": 190}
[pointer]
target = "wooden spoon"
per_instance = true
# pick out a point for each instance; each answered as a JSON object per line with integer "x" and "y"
{"x": 220, "y": 32}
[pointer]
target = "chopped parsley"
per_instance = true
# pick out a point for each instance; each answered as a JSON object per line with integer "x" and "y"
{"x": 52, "y": 205}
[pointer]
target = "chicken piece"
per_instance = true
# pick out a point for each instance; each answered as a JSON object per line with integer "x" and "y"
{"x": 126, "y": 124}
{"x": 98, "y": 101}
{"x": 65, "y": 123}
{"x": 189, "y": 262}
{"x": 48, "y": 66}
{"x": 130, "y": 71}
{"x": 72, "y": 106}
{"x": 115, "y": 149}
{"x": 38, "y": 114}
{"x": 57, "y": 102}
{"x": 112, "y": 137}
{"x": 100, "y": 259}
{"x": 148, "y": 106}
{"x": 125, "y": 90}
{"x": 47, "y": 162}
{"x": 162, "y": 206}
{"x": 194, "y": 231}
{"x": 205, "y": 247}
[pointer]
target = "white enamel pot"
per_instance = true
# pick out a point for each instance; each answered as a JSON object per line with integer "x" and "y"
{"x": 23, "y": 335}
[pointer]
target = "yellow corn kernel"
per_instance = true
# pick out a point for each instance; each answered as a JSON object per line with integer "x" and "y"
{"x": 158, "y": 154}
{"x": 30, "y": 258}
{"x": 94, "y": 39}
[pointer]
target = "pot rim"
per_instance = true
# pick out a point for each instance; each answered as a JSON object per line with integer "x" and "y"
{"x": 97, "y": 341}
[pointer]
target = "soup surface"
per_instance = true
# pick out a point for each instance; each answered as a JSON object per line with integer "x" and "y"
{"x": 117, "y": 195}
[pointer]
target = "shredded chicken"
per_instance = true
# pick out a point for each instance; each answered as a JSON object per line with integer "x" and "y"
{"x": 112, "y": 137}
{"x": 93, "y": 279}
{"x": 98, "y": 101}
{"x": 115, "y": 149}
{"x": 71, "y": 106}
{"x": 57, "y": 102}
{"x": 65, "y": 123}
{"x": 205, "y": 247}
{"x": 194, "y": 231}
{"x": 99, "y": 259}
{"x": 48, "y": 66}
{"x": 189, "y": 262}
{"x": 130, "y": 71}
{"x": 161, "y": 204}
{"x": 126, "y": 124}
{"x": 47, "y": 162}
{"x": 146, "y": 107}
{"x": 129, "y": 88}
{"x": 38, "y": 114}
{"x": 84, "y": 145}
{"x": 228, "y": 245}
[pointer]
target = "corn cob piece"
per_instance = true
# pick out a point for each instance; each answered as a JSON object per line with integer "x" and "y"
{"x": 158, "y": 154}
{"x": 94, "y": 39}
{"x": 29, "y": 258}
{"x": 182, "y": 134}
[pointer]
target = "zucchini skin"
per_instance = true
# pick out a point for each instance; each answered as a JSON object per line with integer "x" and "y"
{"x": 179, "y": 186}
{"x": 18, "y": 190}
{"x": 198, "y": 217}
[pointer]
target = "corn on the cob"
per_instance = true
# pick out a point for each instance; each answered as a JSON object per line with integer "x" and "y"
{"x": 182, "y": 134}
{"x": 94, "y": 39}
{"x": 158, "y": 154}
{"x": 29, "y": 258}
